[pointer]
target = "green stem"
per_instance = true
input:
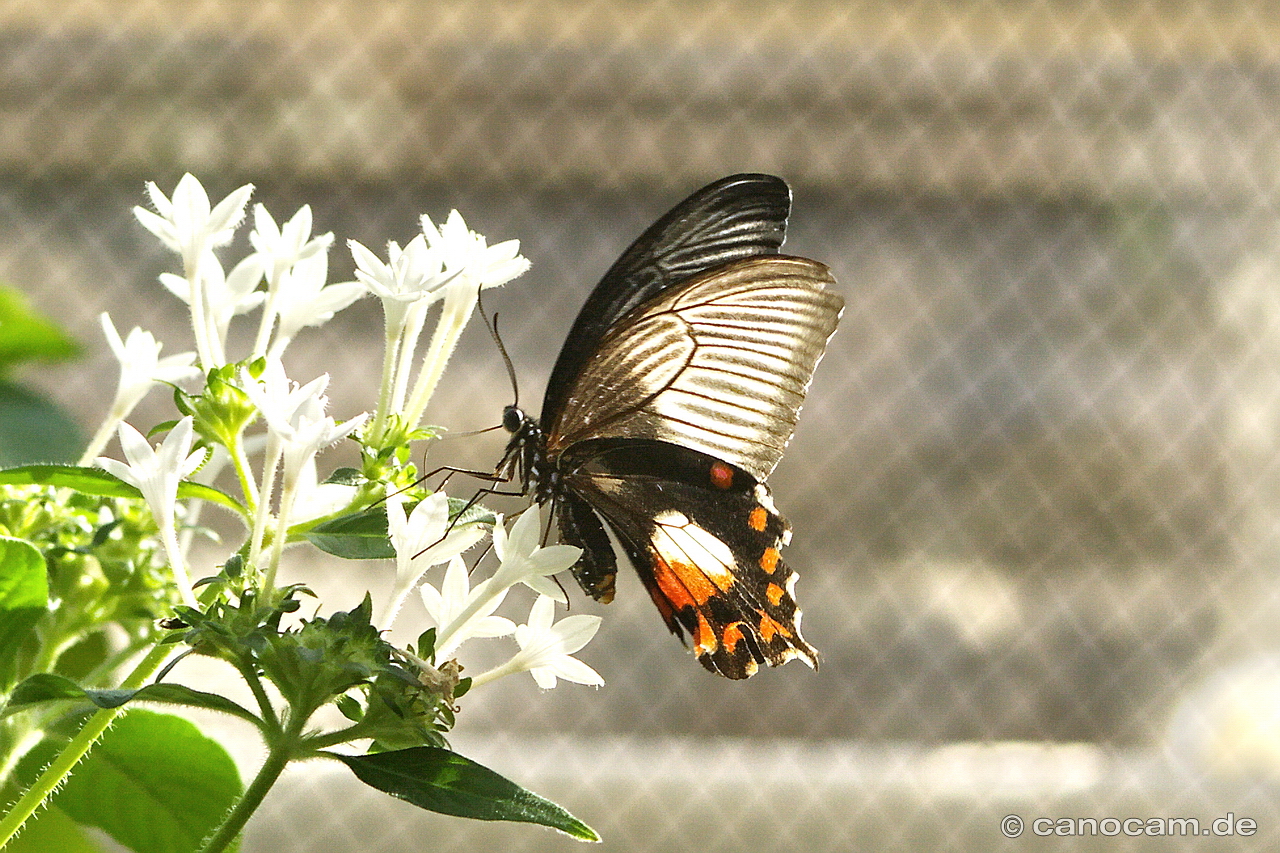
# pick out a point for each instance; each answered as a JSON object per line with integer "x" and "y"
{"x": 390, "y": 357}
{"x": 62, "y": 766}
{"x": 269, "y": 717}
{"x": 278, "y": 757}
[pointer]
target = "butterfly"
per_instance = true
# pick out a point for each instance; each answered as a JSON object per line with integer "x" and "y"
{"x": 671, "y": 402}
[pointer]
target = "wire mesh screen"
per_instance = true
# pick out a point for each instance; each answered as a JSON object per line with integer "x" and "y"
{"x": 1034, "y": 484}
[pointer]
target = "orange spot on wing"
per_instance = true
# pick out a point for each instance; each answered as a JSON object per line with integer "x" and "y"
{"x": 733, "y": 636}
{"x": 670, "y": 583}
{"x": 721, "y": 475}
{"x": 774, "y": 593}
{"x": 758, "y": 518}
{"x": 704, "y": 639}
{"x": 770, "y": 627}
{"x": 769, "y": 559}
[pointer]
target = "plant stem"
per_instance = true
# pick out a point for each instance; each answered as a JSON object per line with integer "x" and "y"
{"x": 278, "y": 757}
{"x": 62, "y": 766}
{"x": 390, "y": 358}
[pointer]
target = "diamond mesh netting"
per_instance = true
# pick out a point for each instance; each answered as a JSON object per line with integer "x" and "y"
{"x": 1033, "y": 482}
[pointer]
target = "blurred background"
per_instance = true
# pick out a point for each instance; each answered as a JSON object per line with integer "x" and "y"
{"x": 1035, "y": 484}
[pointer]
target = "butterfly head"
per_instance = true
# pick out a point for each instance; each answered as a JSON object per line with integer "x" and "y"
{"x": 526, "y": 454}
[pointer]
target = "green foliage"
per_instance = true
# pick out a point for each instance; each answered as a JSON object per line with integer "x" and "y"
{"x": 26, "y": 335}
{"x": 154, "y": 783}
{"x": 223, "y": 411}
{"x": 443, "y": 781}
{"x": 95, "y": 481}
{"x": 52, "y": 830}
{"x": 24, "y": 599}
{"x": 73, "y": 565}
{"x": 47, "y": 687}
{"x": 33, "y": 429}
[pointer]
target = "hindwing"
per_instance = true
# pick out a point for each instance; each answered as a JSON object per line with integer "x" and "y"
{"x": 704, "y": 537}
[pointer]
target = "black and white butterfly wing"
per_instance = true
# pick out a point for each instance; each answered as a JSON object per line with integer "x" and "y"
{"x": 737, "y": 217}
{"x": 705, "y": 539}
{"x": 671, "y": 402}
{"x": 719, "y": 365}
{"x": 669, "y": 433}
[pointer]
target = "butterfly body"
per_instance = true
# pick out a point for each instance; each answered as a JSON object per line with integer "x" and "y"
{"x": 672, "y": 400}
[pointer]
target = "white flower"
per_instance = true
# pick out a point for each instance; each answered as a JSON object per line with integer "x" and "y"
{"x": 316, "y": 499}
{"x": 476, "y": 266}
{"x": 464, "y": 251}
{"x": 311, "y": 434}
{"x": 156, "y": 473}
{"x": 410, "y": 274}
{"x": 547, "y": 649}
{"x": 141, "y": 366}
{"x": 226, "y": 295}
{"x": 295, "y": 415}
{"x": 186, "y": 224}
{"x": 457, "y": 620}
{"x": 281, "y": 400}
{"x": 297, "y": 429}
{"x": 304, "y": 300}
{"x": 422, "y": 539}
{"x": 282, "y": 248}
{"x": 524, "y": 561}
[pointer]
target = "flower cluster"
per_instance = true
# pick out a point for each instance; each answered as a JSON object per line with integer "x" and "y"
{"x": 282, "y": 499}
{"x": 104, "y": 598}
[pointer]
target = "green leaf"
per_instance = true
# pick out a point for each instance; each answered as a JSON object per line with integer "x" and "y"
{"x": 48, "y": 830}
{"x": 47, "y": 687}
{"x": 95, "y": 481}
{"x": 199, "y": 491}
{"x": 358, "y": 536}
{"x": 24, "y": 598}
{"x": 34, "y": 429}
{"x": 440, "y": 780}
{"x": 89, "y": 481}
{"x": 154, "y": 783}
{"x": 363, "y": 535}
{"x": 26, "y": 335}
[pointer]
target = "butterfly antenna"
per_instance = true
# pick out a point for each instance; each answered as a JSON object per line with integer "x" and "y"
{"x": 497, "y": 339}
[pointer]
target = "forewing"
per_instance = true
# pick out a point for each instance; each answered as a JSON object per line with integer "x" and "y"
{"x": 719, "y": 365}
{"x": 737, "y": 217}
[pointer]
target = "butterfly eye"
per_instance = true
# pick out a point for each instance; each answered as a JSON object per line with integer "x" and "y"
{"x": 512, "y": 419}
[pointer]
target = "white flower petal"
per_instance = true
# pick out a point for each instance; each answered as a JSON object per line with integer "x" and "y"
{"x": 572, "y": 669}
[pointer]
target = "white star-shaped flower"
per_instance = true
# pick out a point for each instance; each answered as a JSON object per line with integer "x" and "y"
{"x": 302, "y": 299}
{"x": 141, "y": 366}
{"x": 547, "y": 648}
{"x": 281, "y": 247}
{"x": 186, "y": 223}
{"x": 423, "y": 538}
{"x": 453, "y": 608}
{"x": 524, "y": 560}
{"x": 156, "y": 472}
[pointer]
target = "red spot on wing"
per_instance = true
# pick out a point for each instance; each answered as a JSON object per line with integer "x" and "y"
{"x": 721, "y": 475}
